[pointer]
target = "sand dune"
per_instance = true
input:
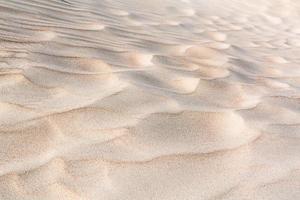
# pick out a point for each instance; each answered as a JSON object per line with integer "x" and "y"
{"x": 152, "y": 100}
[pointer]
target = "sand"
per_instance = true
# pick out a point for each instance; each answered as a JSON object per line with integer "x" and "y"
{"x": 149, "y": 100}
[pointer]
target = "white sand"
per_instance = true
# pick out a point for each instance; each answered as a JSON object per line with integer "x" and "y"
{"x": 149, "y": 100}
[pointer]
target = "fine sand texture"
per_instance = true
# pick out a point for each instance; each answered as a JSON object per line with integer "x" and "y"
{"x": 149, "y": 100}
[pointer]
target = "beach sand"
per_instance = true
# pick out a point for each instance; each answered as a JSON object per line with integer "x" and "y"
{"x": 149, "y": 100}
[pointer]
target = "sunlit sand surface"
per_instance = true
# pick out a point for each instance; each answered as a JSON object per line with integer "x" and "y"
{"x": 149, "y": 100}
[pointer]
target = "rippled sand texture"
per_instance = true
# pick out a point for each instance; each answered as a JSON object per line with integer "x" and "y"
{"x": 149, "y": 100}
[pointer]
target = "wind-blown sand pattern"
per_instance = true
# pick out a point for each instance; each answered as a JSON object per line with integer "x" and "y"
{"x": 149, "y": 100}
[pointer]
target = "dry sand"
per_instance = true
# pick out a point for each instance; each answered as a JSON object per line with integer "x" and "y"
{"x": 149, "y": 100}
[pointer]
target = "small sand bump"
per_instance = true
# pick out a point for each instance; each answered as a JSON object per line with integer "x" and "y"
{"x": 132, "y": 22}
{"x": 271, "y": 71}
{"x": 276, "y": 84}
{"x": 213, "y": 72}
{"x": 93, "y": 65}
{"x": 178, "y": 50}
{"x": 44, "y": 35}
{"x": 186, "y": 85}
{"x": 277, "y": 59}
{"x": 135, "y": 59}
{"x": 206, "y": 55}
{"x": 272, "y": 19}
{"x": 214, "y": 17}
{"x": 217, "y": 36}
{"x": 188, "y": 12}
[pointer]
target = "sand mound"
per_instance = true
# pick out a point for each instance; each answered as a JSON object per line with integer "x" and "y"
{"x": 137, "y": 59}
{"x": 172, "y": 134}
